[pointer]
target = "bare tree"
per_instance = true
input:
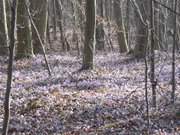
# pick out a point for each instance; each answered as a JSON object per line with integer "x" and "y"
{"x": 9, "y": 74}
{"x": 173, "y": 54}
{"x": 121, "y": 35}
{"x": 89, "y": 45}
{"x": 140, "y": 18}
{"x": 152, "y": 57}
{"x": 100, "y": 35}
{"x": 4, "y": 37}
{"x": 24, "y": 36}
{"x": 39, "y": 11}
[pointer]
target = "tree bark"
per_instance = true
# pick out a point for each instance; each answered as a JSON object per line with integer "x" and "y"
{"x": 9, "y": 74}
{"x": 65, "y": 46}
{"x": 89, "y": 46}
{"x": 100, "y": 35}
{"x": 4, "y": 38}
{"x": 39, "y": 11}
{"x": 141, "y": 28}
{"x": 122, "y": 41}
{"x": 24, "y": 34}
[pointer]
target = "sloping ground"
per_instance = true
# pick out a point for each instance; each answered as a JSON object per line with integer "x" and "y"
{"x": 107, "y": 101}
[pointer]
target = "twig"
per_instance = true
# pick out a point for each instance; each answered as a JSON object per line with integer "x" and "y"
{"x": 135, "y": 5}
{"x": 163, "y": 5}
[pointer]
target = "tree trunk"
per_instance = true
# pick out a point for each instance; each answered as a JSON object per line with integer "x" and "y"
{"x": 174, "y": 55}
{"x": 76, "y": 30}
{"x": 141, "y": 29}
{"x": 39, "y": 11}
{"x": 9, "y": 75}
{"x": 89, "y": 46}
{"x": 4, "y": 38}
{"x": 100, "y": 35}
{"x": 178, "y": 28}
{"x": 54, "y": 19}
{"x": 122, "y": 41}
{"x": 24, "y": 36}
{"x": 152, "y": 54}
{"x": 60, "y": 23}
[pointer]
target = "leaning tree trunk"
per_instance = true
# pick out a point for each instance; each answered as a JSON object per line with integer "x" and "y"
{"x": 121, "y": 36}
{"x": 39, "y": 11}
{"x": 24, "y": 36}
{"x": 89, "y": 45}
{"x": 4, "y": 38}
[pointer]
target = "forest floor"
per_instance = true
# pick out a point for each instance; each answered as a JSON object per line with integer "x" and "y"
{"x": 108, "y": 100}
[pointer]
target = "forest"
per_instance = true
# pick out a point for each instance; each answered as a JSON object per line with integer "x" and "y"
{"x": 90, "y": 67}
